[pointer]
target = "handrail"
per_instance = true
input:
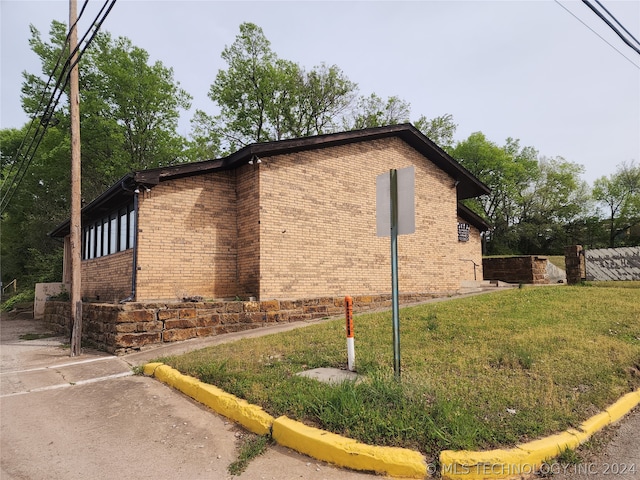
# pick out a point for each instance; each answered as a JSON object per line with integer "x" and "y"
{"x": 13, "y": 282}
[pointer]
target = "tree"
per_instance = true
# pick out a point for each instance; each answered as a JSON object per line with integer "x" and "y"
{"x": 263, "y": 98}
{"x": 373, "y": 111}
{"x": 130, "y": 107}
{"x": 551, "y": 206}
{"x": 619, "y": 194}
{"x": 129, "y": 114}
{"x": 440, "y": 130}
{"x": 507, "y": 171}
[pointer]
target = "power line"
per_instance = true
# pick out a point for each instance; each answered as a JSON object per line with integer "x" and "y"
{"x": 616, "y": 20}
{"x": 24, "y": 158}
{"x": 600, "y": 36}
{"x": 21, "y": 158}
{"x": 612, "y": 26}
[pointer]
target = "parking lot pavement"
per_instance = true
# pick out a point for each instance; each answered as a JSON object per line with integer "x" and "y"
{"x": 88, "y": 417}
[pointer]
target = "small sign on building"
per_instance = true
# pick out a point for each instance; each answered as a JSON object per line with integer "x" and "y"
{"x": 463, "y": 232}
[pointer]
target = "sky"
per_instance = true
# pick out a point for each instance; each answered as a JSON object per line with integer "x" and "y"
{"x": 528, "y": 70}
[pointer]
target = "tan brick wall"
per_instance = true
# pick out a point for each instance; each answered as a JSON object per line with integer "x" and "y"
{"x": 108, "y": 278}
{"x": 187, "y": 238}
{"x": 471, "y": 250}
{"x": 248, "y": 193}
{"x": 318, "y": 224}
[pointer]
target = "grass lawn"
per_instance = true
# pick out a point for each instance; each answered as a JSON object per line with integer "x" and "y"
{"x": 477, "y": 372}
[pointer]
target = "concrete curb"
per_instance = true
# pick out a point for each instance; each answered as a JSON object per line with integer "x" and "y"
{"x": 398, "y": 462}
{"x": 346, "y": 452}
{"x": 528, "y": 457}
{"x": 329, "y": 447}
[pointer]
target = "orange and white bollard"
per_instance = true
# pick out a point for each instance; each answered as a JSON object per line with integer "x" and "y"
{"x": 351, "y": 352}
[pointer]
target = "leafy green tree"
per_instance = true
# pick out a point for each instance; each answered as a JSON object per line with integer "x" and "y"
{"x": 264, "y": 98}
{"x": 129, "y": 113}
{"x": 129, "y": 106}
{"x": 507, "y": 171}
{"x": 373, "y": 111}
{"x": 555, "y": 200}
{"x": 36, "y": 206}
{"x": 438, "y": 129}
{"x": 619, "y": 194}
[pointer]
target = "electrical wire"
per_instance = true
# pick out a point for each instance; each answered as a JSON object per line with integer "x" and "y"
{"x": 52, "y": 104}
{"x": 613, "y": 27}
{"x": 47, "y": 113}
{"x": 616, "y": 20}
{"x": 600, "y": 36}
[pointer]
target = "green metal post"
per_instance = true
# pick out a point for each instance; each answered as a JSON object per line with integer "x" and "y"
{"x": 394, "y": 273}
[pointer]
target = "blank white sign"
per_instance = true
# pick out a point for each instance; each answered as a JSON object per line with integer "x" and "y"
{"x": 406, "y": 202}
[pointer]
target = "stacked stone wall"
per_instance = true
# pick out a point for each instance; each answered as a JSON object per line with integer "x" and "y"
{"x": 523, "y": 269}
{"x": 128, "y": 327}
{"x": 574, "y": 264}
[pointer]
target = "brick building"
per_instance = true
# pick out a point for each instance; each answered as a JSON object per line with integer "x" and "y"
{"x": 293, "y": 219}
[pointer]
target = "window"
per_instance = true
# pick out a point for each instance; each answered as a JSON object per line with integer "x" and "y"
{"x": 113, "y": 233}
{"x": 132, "y": 227}
{"x": 92, "y": 241}
{"x": 105, "y": 236}
{"x": 123, "y": 230}
{"x": 110, "y": 234}
{"x": 99, "y": 240}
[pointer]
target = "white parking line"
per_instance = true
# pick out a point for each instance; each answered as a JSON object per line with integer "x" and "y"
{"x": 70, "y": 364}
{"x": 65, "y": 385}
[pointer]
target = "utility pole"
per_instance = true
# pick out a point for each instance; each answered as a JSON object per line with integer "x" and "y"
{"x": 76, "y": 204}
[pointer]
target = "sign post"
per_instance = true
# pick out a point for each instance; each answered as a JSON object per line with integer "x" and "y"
{"x": 395, "y": 215}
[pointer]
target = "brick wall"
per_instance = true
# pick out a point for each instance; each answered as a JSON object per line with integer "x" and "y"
{"x": 318, "y": 224}
{"x": 107, "y": 279}
{"x": 187, "y": 238}
{"x": 295, "y": 226}
{"x": 470, "y": 253}
{"x": 248, "y": 223}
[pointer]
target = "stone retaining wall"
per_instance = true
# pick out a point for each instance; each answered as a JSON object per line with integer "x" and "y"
{"x": 123, "y": 328}
{"x": 527, "y": 269}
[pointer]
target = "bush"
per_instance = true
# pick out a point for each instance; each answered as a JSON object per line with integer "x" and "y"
{"x": 25, "y": 296}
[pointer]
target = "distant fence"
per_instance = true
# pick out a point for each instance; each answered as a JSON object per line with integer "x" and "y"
{"x": 607, "y": 264}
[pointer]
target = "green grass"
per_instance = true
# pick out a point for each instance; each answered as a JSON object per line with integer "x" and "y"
{"x": 251, "y": 447}
{"x": 36, "y": 336}
{"x": 557, "y": 260}
{"x": 479, "y": 372}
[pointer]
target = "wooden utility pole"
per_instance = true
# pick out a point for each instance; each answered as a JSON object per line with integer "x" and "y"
{"x": 76, "y": 204}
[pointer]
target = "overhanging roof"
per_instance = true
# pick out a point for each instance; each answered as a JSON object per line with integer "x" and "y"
{"x": 468, "y": 185}
{"x": 473, "y": 218}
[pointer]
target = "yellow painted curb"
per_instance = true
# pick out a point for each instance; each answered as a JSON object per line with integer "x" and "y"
{"x": 149, "y": 368}
{"x": 251, "y": 417}
{"x": 398, "y": 462}
{"x": 528, "y": 457}
{"x": 623, "y": 406}
{"x": 346, "y": 452}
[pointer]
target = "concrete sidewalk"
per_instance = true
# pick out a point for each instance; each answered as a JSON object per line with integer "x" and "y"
{"x": 88, "y": 417}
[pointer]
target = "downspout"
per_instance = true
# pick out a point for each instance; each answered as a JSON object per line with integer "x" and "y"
{"x": 134, "y": 267}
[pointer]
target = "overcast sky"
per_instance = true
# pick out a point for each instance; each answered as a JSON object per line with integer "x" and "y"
{"x": 527, "y": 70}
